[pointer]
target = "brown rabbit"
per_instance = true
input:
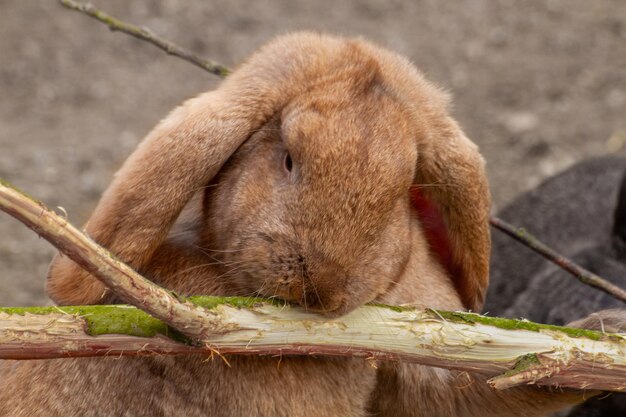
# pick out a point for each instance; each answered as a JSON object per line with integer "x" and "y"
{"x": 329, "y": 174}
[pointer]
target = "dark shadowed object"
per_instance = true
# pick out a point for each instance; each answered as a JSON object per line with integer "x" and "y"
{"x": 582, "y": 214}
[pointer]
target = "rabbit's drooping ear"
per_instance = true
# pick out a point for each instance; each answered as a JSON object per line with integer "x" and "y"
{"x": 137, "y": 210}
{"x": 181, "y": 155}
{"x": 450, "y": 180}
{"x": 451, "y": 192}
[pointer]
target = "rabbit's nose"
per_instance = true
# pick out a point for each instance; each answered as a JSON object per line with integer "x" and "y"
{"x": 312, "y": 280}
{"x": 322, "y": 287}
{"x": 315, "y": 298}
{"x": 326, "y": 306}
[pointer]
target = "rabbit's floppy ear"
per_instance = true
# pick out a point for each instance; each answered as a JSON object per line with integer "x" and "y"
{"x": 181, "y": 155}
{"x": 452, "y": 197}
{"x": 450, "y": 191}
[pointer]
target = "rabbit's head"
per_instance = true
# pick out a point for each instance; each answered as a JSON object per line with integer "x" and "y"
{"x": 318, "y": 153}
{"x": 313, "y": 208}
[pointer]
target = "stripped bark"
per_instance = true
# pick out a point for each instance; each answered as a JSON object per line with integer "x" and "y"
{"x": 525, "y": 352}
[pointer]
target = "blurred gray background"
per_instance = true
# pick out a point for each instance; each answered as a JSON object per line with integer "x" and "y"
{"x": 538, "y": 85}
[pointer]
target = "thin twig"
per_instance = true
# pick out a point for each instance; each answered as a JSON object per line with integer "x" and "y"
{"x": 149, "y": 36}
{"x": 584, "y": 275}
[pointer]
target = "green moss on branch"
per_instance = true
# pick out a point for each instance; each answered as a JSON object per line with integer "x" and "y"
{"x": 127, "y": 320}
{"x": 511, "y": 324}
{"x": 210, "y": 302}
{"x": 123, "y": 319}
{"x": 524, "y": 363}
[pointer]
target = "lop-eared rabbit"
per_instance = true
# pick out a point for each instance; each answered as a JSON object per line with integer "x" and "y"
{"x": 330, "y": 174}
{"x": 581, "y": 213}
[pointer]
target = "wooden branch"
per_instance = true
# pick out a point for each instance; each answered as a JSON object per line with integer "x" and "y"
{"x": 572, "y": 358}
{"x": 148, "y": 36}
{"x": 584, "y": 275}
{"x": 189, "y": 319}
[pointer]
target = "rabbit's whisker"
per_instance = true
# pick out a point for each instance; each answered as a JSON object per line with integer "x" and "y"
{"x": 228, "y": 250}
{"x": 317, "y": 294}
{"x": 230, "y": 272}
{"x": 192, "y": 268}
{"x": 204, "y": 187}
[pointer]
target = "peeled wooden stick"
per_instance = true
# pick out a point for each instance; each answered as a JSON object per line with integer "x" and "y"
{"x": 527, "y": 352}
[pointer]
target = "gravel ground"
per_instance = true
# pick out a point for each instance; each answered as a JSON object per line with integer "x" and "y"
{"x": 538, "y": 85}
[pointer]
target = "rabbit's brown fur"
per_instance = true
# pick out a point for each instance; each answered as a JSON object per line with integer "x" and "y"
{"x": 329, "y": 225}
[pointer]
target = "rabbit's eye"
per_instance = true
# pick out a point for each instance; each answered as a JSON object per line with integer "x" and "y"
{"x": 287, "y": 163}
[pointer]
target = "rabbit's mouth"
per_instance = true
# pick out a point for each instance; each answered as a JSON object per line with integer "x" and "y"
{"x": 330, "y": 300}
{"x": 314, "y": 299}
{"x": 336, "y": 309}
